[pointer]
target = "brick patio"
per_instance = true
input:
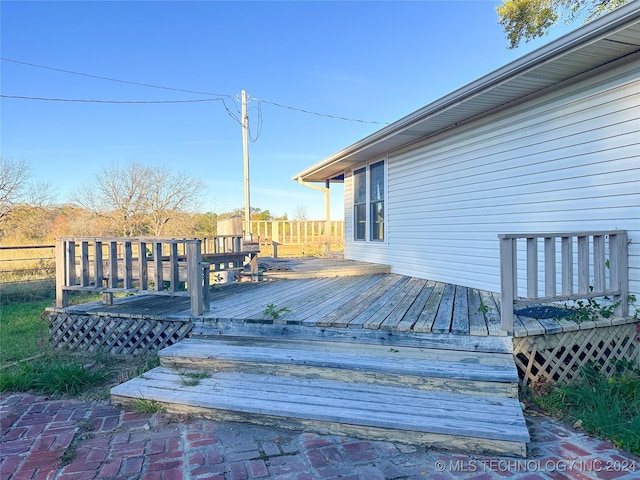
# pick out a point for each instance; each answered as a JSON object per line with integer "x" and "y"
{"x": 36, "y": 433}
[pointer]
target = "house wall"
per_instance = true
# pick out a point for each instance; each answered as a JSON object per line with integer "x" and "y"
{"x": 566, "y": 160}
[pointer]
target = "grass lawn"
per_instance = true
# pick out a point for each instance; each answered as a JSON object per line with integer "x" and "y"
{"x": 28, "y": 363}
{"x": 22, "y": 332}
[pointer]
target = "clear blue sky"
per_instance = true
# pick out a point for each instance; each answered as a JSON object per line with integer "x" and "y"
{"x": 374, "y": 61}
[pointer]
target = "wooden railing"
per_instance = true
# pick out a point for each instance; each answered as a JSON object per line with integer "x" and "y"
{"x": 140, "y": 265}
{"x": 591, "y": 264}
{"x": 298, "y": 231}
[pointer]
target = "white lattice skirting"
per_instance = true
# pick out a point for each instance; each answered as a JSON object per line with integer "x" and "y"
{"x": 116, "y": 335}
{"x": 558, "y": 357}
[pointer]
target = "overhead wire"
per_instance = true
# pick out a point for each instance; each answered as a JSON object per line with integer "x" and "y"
{"x": 149, "y": 85}
{"x": 230, "y": 113}
{"x": 140, "y": 84}
{"x": 275, "y": 104}
{"x": 259, "y": 129}
{"x": 83, "y": 100}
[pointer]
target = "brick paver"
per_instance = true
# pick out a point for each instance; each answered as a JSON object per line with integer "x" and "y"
{"x": 54, "y": 439}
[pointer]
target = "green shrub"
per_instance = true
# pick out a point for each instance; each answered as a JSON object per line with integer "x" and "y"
{"x": 609, "y": 408}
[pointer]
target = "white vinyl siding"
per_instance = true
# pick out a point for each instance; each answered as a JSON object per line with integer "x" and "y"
{"x": 568, "y": 160}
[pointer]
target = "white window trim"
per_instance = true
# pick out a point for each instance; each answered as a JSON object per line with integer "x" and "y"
{"x": 367, "y": 233}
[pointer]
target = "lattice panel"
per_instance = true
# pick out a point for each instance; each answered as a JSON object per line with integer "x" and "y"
{"x": 117, "y": 335}
{"x": 559, "y": 357}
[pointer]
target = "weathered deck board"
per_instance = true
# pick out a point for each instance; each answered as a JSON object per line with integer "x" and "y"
{"x": 428, "y": 315}
{"x": 442, "y": 323}
{"x": 335, "y": 299}
{"x": 460, "y": 321}
{"x": 395, "y": 303}
{"x": 416, "y": 285}
{"x": 412, "y": 315}
{"x": 492, "y": 315}
{"x": 356, "y": 304}
{"x": 377, "y": 301}
{"x": 478, "y": 373}
{"x": 477, "y": 324}
{"x": 444, "y": 420}
{"x": 274, "y": 293}
{"x": 296, "y": 299}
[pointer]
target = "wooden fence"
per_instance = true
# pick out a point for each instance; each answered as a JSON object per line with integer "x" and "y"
{"x": 590, "y": 264}
{"x": 145, "y": 265}
{"x": 298, "y": 231}
{"x": 26, "y": 262}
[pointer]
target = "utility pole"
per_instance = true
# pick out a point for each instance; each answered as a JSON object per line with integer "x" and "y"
{"x": 245, "y": 151}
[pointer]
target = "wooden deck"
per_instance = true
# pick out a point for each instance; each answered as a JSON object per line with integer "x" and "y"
{"x": 372, "y": 308}
{"x": 340, "y": 296}
{"x": 427, "y": 355}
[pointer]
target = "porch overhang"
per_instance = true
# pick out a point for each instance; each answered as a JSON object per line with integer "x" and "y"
{"x": 604, "y": 40}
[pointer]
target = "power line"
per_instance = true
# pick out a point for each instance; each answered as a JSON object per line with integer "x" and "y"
{"x": 259, "y": 129}
{"x": 83, "y": 100}
{"x": 275, "y": 104}
{"x": 149, "y": 85}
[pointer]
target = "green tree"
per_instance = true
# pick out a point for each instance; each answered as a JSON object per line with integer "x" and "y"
{"x": 206, "y": 224}
{"x": 256, "y": 213}
{"x": 529, "y": 19}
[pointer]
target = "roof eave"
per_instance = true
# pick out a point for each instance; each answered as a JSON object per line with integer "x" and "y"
{"x": 582, "y": 36}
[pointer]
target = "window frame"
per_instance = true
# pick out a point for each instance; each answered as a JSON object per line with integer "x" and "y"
{"x": 369, "y": 204}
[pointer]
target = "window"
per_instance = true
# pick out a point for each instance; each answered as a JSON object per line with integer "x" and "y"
{"x": 360, "y": 203}
{"x": 368, "y": 202}
{"x": 376, "y": 200}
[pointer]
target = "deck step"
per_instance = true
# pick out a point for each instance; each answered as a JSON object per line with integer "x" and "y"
{"x": 474, "y": 373}
{"x": 491, "y": 425}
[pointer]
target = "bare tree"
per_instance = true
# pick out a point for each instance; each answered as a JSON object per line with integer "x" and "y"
{"x": 14, "y": 175}
{"x": 168, "y": 196}
{"x": 139, "y": 199}
{"x": 300, "y": 213}
{"x": 40, "y": 194}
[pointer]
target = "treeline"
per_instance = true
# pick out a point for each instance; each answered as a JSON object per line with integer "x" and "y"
{"x": 122, "y": 201}
{"x": 32, "y": 225}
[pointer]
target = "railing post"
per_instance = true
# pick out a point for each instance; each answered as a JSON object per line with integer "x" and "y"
{"x": 84, "y": 263}
{"x": 194, "y": 277}
{"x": 567, "y": 265}
{"x": 98, "y": 267}
{"x": 128, "y": 265}
{"x": 618, "y": 269}
{"x": 70, "y": 263}
{"x": 206, "y": 270}
{"x": 583, "y": 264}
{"x": 550, "y": 266}
{"x": 142, "y": 265}
{"x": 508, "y": 281}
{"x": 157, "y": 260}
{"x": 599, "y": 263}
{"x": 62, "y": 295}
{"x": 174, "y": 276}
{"x": 532, "y": 267}
{"x": 113, "y": 264}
